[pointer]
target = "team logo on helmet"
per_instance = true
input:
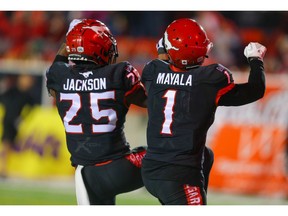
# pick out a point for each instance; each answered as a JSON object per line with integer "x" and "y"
{"x": 168, "y": 44}
{"x": 96, "y": 29}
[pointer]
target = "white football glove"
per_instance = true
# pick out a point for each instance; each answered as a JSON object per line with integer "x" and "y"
{"x": 254, "y": 49}
{"x": 72, "y": 24}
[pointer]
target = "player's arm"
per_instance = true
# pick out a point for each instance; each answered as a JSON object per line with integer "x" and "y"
{"x": 136, "y": 93}
{"x": 62, "y": 55}
{"x": 254, "y": 89}
{"x": 137, "y": 96}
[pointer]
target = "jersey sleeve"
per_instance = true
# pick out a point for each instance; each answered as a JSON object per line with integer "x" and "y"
{"x": 222, "y": 76}
{"x": 53, "y": 75}
{"x": 147, "y": 73}
{"x": 248, "y": 92}
{"x": 135, "y": 92}
{"x": 224, "y": 81}
{"x": 131, "y": 76}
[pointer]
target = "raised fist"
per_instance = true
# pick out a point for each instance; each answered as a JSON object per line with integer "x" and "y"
{"x": 254, "y": 49}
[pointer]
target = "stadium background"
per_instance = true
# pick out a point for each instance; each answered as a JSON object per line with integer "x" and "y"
{"x": 250, "y": 142}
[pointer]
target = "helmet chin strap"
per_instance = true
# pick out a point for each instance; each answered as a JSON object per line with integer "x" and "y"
{"x": 193, "y": 66}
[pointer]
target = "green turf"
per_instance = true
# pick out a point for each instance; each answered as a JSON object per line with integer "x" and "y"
{"x": 62, "y": 193}
{"x": 35, "y": 196}
{"x": 23, "y": 194}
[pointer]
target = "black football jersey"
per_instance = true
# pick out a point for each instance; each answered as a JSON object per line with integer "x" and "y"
{"x": 181, "y": 108}
{"x": 91, "y": 103}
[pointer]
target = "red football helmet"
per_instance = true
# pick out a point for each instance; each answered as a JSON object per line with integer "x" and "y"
{"x": 91, "y": 40}
{"x": 186, "y": 43}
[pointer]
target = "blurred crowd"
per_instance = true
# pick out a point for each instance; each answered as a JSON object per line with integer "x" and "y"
{"x": 37, "y": 35}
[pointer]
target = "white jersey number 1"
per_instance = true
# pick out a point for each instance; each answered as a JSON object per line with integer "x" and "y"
{"x": 168, "y": 111}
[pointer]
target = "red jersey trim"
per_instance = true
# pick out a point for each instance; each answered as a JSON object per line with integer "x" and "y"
{"x": 133, "y": 89}
{"x": 223, "y": 91}
{"x": 103, "y": 163}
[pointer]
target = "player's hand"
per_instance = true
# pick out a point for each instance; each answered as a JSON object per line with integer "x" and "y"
{"x": 72, "y": 24}
{"x": 254, "y": 49}
{"x": 160, "y": 47}
{"x": 62, "y": 50}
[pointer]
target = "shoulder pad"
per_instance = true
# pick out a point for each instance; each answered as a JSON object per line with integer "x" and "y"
{"x": 219, "y": 73}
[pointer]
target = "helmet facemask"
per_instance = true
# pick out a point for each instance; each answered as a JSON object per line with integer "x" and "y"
{"x": 113, "y": 51}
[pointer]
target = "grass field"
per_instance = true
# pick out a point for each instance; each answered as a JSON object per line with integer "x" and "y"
{"x": 23, "y": 192}
{"x": 26, "y": 192}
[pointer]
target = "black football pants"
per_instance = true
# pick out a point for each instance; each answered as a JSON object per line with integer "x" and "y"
{"x": 177, "y": 193}
{"x": 104, "y": 181}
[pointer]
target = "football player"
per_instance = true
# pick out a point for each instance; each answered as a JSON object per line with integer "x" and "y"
{"x": 208, "y": 153}
{"x": 183, "y": 96}
{"x": 93, "y": 96}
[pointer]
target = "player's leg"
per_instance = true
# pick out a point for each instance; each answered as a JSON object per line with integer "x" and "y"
{"x": 129, "y": 171}
{"x": 207, "y": 165}
{"x": 93, "y": 188}
{"x": 176, "y": 193}
{"x": 174, "y": 184}
{"x": 85, "y": 194}
{"x": 81, "y": 190}
{"x": 104, "y": 181}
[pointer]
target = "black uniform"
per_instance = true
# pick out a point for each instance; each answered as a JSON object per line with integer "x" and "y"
{"x": 91, "y": 103}
{"x": 181, "y": 108}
